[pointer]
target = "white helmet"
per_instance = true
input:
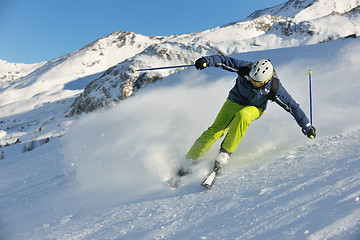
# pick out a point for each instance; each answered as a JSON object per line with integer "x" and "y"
{"x": 261, "y": 71}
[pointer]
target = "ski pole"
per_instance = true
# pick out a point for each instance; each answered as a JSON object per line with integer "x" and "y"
{"x": 310, "y": 73}
{"x": 159, "y": 68}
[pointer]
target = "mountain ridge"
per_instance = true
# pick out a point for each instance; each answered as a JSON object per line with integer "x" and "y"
{"x": 309, "y": 9}
{"x": 256, "y": 33}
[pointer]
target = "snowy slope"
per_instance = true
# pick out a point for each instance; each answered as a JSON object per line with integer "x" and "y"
{"x": 104, "y": 178}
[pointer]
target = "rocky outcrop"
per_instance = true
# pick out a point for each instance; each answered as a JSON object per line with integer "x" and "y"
{"x": 120, "y": 81}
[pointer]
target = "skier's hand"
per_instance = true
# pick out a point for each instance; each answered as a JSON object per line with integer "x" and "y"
{"x": 310, "y": 132}
{"x": 200, "y": 64}
{"x": 244, "y": 71}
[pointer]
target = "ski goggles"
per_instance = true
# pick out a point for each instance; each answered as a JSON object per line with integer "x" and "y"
{"x": 258, "y": 84}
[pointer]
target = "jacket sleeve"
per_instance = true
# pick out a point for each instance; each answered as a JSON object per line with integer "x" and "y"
{"x": 284, "y": 99}
{"x": 226, "y": 63}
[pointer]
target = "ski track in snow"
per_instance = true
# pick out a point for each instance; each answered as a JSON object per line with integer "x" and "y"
{"x": 104, "y": 178}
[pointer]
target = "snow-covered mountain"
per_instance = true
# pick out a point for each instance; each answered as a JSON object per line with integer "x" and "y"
{"x": 9, "y": 72}
{"x": 32, "y": 106}
{"x": 103, "y": 179}
{"x": 308, "y": 10}
{"x": 74, "y": 67}
{"x": 293, "y": 23}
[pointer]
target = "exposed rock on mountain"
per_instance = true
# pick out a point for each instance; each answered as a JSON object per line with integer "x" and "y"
{"x": 120, "y": 81}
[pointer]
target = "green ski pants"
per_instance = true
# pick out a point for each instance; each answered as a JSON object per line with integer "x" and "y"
{"x": 233, "y": 119}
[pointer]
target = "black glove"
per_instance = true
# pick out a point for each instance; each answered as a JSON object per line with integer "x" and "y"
{"x": 200, "y": 64}
{"x": 244, "y": 71}
{"x": 310, "y": 132}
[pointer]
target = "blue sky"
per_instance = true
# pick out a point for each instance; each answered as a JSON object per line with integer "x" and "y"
{"x": 39, "y": 30}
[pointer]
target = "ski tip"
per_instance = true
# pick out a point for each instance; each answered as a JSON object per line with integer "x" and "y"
{"x": 210, "y": 180}
{"x": 209, "y": 187}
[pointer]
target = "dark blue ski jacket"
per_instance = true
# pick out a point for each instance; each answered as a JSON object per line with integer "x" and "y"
{"x": 244, "y": 93}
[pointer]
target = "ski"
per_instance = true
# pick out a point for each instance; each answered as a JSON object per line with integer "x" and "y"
{"x": 210, "y": 179}
{"x": 174, "y": 182}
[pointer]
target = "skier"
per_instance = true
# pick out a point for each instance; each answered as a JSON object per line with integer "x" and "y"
{"x": 247, "y": 100}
